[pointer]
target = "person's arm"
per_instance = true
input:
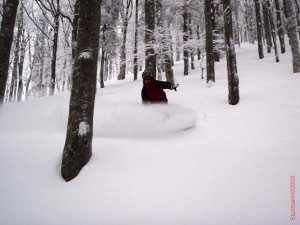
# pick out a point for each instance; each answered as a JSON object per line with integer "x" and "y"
{"x": 164, "y": 84}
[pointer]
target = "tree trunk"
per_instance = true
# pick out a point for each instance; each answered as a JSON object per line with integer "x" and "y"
{"x": 150, "y": 61}
{"x": 135, "y": 60}
{"x": 6, "y": 39}
{"x": 280, "y": 26}
{"x": 233, "y": 80}
{"x": 259, "y": 29}
{"x": 54, "y": 49}
{"x": 185, "y": 39}
{"x": 268, "y": 34}
{"x": 78, "y": 146}
{"x": 237, "y": 27}
{"x": 292, "y": 31}
{"x": 210, "y": 63}
{"x": 273, "y": 31}
{"x": 21, "y": 65}
{"x": 198, "y": 39}
{"x": 191, "y": 48}
{"x": 122, "y": 71}
{"x": 102, "y": 67}
{"x": 177, "y": 49}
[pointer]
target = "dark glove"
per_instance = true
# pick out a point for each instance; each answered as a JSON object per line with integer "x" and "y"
{"x": 174, "y": 86}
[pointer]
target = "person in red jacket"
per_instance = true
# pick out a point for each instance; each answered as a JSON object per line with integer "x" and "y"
{"x": 152, "y": 91}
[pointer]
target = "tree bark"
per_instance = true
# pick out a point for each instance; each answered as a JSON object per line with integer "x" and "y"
{"x": 233, "y": 80}
{"x": 54, "y": 48}
{"x": 292, "y": 31}
{"x": 185, "y": 39}
{"x": 78, "y": 146}
{"x": 135, "y": 60}
{"x": 150, "y": 61}
{"x": 122, "y": 71}
{"x": 268, "y": 34}
{"x": 259, "y": 29}
{"x": 280, "y": 26}
{"x": 6, "y": 39}
{"x": 210, "y": 63}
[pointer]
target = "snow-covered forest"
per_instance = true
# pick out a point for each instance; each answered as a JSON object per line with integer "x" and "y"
{"x": 224, "y": 150}
{"x": 44, "y": 40}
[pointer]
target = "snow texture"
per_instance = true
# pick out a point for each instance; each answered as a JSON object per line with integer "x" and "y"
{"x": 145, "y": 120}
{"x": 83, "y": 128}
{"x": 233, "y": 166}
{"x": 85, "y": 55}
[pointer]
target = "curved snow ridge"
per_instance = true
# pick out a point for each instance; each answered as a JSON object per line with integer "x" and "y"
{"x": 144, "y": 120}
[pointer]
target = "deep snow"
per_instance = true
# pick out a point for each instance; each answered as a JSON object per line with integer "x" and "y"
{"x": 196, "y": 161}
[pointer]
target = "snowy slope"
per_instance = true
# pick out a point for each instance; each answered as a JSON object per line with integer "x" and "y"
{"x": 196, "y": 161}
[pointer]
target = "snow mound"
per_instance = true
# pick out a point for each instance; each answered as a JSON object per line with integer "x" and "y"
{"x": 144, "y": 120}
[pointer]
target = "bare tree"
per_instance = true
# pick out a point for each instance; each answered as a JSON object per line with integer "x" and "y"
{"x": 210, "y": 63}
{"x": 6, "y": 39}
{"x": 185, "y": 39}
{"x": 125, "y": 17}
{"x": 78, "y": 146}
{"x": 135, "y": 60}
{"x": 233, "y": 80}
{"x": 292, "y": 33}
{"x": 150, "y": 61}
{"x": 259, "y": 29}
{"x": 280, "y": 25}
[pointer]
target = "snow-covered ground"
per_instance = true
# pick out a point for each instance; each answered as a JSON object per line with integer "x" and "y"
{"x": 196, "y": 161}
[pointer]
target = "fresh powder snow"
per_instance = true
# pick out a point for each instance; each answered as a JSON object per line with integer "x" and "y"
{"x": 85, "y": 55}
{"x": 196, "y": 161}
{"x": 83, "y": 128}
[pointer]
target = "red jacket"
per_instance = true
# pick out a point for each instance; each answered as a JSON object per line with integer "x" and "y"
{"x": 153, "y": 91}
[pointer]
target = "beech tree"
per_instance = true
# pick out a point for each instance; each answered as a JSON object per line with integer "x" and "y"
{"x": 136, "y": 33}
{"x": 150, "y": 57}
{"x": 259, "y": 29}
{"x": 6, "y": 39}
{"x": 210, "y": 63}
{"x": 292, "y": 34}
{"x": 185, "y": 39}
{"x": 126, "y": 15}
{"x": 233, "y": 80}
{"x": 78, "y": 145}
{"x": 280, "y": 25}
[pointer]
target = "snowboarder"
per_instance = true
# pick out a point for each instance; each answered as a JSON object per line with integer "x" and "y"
{"x": 152, "y": 91}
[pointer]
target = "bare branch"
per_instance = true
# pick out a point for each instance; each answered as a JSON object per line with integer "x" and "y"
{"x": 35, "y": 23}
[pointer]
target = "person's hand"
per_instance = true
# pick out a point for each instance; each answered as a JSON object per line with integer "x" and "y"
{"x": 175, "y": 86}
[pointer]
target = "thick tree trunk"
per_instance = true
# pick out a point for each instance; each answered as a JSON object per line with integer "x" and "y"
{"x": 210, "y": 63}
{"x": 150, "y": 61}
{"x": 78, "y": 146}
{"x": 259, "y": 29}
{"x": 233, "y": 80}
{"x": 6, "y": 39}
{"x": 292, "y": 31}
